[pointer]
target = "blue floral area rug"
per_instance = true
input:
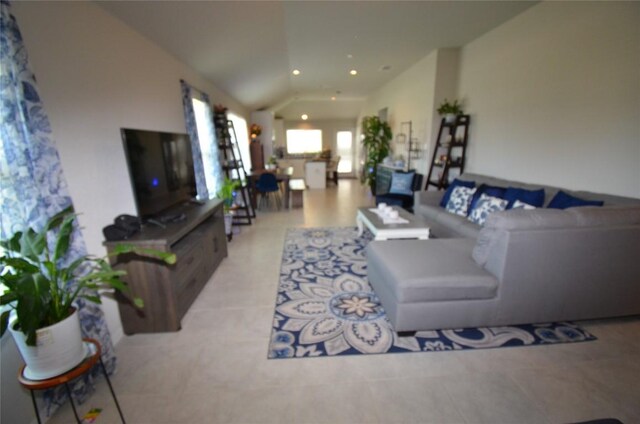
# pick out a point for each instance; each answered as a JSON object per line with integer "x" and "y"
{"x": 326, "y": 307}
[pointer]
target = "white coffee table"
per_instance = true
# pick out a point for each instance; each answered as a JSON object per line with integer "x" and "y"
{"x": 416, "y": 228}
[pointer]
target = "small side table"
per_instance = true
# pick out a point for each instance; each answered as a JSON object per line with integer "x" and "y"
{"x": 82, "y": 368}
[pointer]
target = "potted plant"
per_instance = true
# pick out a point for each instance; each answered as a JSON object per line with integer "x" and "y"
{"x": 227, "y": 193}
{"x": 450, "y": 110}
{"x": 255, "y": 130}
{"x": 376, "y": 142}
{"x": 40, "y": 293}
{"x": 272, "y": 163}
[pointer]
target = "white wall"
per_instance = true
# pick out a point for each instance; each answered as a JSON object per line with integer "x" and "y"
{"x": 97, "y": 75}
{"x": 414, "y": 96}
{"x": 554, "y": 96}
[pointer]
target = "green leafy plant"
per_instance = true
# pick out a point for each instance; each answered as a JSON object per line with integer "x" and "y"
{"x": 446, "y": 108}
{"x": 376, "y": 142}
{"x": 226, "y": 192}
{"x": 39, "y": 283}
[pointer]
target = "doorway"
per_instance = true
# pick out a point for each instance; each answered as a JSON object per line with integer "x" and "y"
{"x": 346, "y": 151}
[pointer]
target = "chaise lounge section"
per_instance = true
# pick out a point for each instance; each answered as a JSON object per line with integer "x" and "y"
{"x": 522, "y": 266}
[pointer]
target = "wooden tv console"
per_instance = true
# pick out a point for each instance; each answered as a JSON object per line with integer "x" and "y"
{"x": 200, "y": 244}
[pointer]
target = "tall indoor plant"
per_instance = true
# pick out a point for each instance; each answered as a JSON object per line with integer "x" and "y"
{"x": 42, "y": 285}
{"x": 376, "y": 142}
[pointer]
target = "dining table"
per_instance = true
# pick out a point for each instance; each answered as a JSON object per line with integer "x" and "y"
{"x": 283, "y": 175}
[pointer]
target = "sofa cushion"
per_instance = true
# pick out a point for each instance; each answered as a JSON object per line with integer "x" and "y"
{"x": 452, "y": 186}
{"x": 609, "y": 216}
{"x": 564, "y": 200}
{"x": 485, "y": 206}
{"x": 530, "y": 197}
{"x": 460, "y": 199}
{"x": 539, "y": 219}
{"x": 492, "y": 191}
{"x": 402, "y": 183}
{"x": 517, "y": 219}
{"x": 522, "y": 205}
{"x": 431, "y": 270}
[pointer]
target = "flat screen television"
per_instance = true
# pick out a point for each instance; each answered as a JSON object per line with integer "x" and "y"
{"x": 161, "y": 170}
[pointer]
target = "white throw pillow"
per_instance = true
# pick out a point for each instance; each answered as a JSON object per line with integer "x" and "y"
{"x": 521, "y": 205}
{"x": 485, "y": 206}
{"x": 459, "y": 201}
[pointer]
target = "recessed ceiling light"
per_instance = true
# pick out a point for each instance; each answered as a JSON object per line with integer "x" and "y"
{"x": 296, "y": 72}
{"x": 333, "y": 97}
{"x": 304, "y": 117}
{"x": 350, "y": 56}
{"x": 353, "y": 72}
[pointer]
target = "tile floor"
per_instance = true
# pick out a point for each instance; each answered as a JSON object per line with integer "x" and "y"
{"x": 215, "y": 370}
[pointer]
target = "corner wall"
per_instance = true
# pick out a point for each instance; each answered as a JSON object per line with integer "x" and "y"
{"x": 95, "y": 76}
{"x": 414, "y": 96}
{"x": 554, "y": 96}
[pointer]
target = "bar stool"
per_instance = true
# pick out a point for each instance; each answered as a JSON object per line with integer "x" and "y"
{"x": 85, "y": 366}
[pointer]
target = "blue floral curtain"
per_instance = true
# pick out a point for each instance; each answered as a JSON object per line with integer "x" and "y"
{"x": 203, "y": 143}
{"x": 32, "y": 184}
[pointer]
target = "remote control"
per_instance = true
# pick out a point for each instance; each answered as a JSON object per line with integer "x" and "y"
{"x": 156, "y": 222}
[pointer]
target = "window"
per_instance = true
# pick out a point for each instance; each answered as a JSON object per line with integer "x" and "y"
{"x": 345, "y": 151}
{"x": 304, "y": 141}
{"x": 204, "y": 124}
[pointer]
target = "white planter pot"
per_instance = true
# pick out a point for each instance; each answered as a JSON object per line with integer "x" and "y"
{"x": 228, "y": 222}
{"x": 450, "y": 118}
{"x": 58, "y": 349}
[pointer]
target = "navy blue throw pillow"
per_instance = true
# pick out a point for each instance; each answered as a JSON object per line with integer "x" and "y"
{"x": 402, "y": 183}
{"x": 564, "y": 200}
{"x": 454, "y": 184}
{"x": 530, "y": 197}
{"x": 489, "y": 191}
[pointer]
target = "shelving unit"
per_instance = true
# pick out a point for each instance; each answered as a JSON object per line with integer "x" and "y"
{"x": 406, "y": 136}
{"x": 233, "y": 167}
{"x": 449, "y": 152}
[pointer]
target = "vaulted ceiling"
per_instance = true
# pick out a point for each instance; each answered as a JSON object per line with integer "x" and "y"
{"x": 250, "y": 48}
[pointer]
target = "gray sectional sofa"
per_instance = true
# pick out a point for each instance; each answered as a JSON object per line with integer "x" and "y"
{"x": 522, "y": 266}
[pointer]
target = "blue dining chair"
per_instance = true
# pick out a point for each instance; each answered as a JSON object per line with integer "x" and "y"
{"x": 267, "y": 185}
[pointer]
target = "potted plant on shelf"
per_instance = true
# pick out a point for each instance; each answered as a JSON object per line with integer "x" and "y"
{"x": 376, "y": 142}
{"x": 255, "y": 130}
{"x": 450, "y": 110}
{"x": 227, "y": 193}
{"x": 40, "y": 295}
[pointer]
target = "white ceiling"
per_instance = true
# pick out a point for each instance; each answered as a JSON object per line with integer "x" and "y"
{"x": 249, "y": 48}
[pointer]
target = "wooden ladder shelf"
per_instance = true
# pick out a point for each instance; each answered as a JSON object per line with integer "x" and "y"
{"x": 234, "y": 167}
{"x": 449, "y": 152}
